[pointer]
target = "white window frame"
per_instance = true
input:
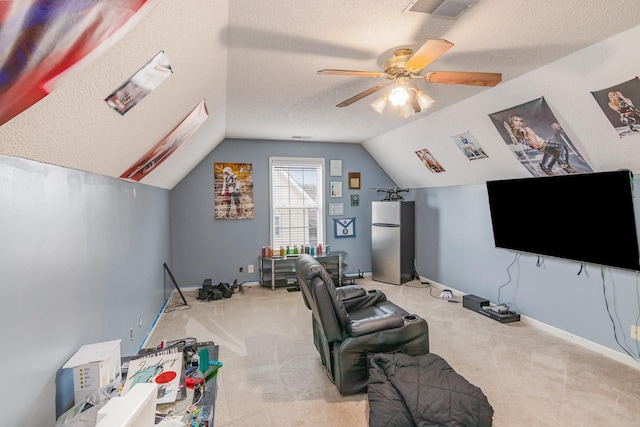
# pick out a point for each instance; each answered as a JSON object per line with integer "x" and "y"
{"x": 312, "y": 161}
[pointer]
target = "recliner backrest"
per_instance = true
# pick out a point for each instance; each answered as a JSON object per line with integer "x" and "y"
{"x": 306, "y": 270}
{"x": 324, "y": 313}
{"x": 317, "y": 285}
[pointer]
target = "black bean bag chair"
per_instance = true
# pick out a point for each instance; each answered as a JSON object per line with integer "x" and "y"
{"x": 424, "y": 390}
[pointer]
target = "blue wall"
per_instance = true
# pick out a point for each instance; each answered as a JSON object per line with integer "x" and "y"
{"x": 204, "y": 247}
{"x": 81, "y": 261}
{"x": 455, "y": 247}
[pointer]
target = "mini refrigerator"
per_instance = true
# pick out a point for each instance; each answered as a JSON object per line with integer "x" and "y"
{"x": 393, "y": 241}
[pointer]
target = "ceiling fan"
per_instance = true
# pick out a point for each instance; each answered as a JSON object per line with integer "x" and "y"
{"x": 406, "y": 65}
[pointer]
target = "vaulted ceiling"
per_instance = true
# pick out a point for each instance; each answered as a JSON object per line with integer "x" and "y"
{"x": 255, "y": 64}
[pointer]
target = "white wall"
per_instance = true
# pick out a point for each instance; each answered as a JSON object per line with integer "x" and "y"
{"x": 565, "y": 84}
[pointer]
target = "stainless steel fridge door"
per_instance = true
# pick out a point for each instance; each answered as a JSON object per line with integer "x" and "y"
{"x": 385, "y": 213}
{"x": 385, "y": 253}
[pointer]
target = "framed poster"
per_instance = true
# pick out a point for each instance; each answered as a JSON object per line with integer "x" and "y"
{"x": 354, "y": 180}
{"x": 355, "y": 200}
{"x": 336, "y": 188}
{"x": 335, "y": 167}
{"x": 336, "y": 209}
{"x": 344, "y": 227}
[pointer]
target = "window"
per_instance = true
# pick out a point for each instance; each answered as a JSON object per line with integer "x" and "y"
{"x": 297, "y": 200}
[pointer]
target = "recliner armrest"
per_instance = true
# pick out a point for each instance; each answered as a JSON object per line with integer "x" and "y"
{"x": 350, "y": 291}
{"x": 357, "y": 328}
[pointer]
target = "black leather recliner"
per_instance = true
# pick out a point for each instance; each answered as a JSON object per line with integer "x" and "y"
{"x": 349, "y": 323}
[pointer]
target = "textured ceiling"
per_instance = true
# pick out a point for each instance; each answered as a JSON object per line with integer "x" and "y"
{"x": 255, "y": 64}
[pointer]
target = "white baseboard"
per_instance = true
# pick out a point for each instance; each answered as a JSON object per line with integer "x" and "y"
{"x": 257, "y": 283}
{"x": 590, "y": 345}
{"x": 598, "y": 348}
{"x": 145, "y": 340}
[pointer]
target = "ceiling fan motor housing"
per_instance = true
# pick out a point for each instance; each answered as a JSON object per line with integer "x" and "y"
{"x": 396, "y": 65}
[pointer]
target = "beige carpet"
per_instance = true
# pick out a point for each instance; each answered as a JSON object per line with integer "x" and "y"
{"x": 272, "y": 375}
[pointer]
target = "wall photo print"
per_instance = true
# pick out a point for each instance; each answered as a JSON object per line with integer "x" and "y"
{"x": 618, "y": 103}
{"x": 429, "y": 161}
{"x": 469, "y": 146}
{"x": 538, "y": 140}
{"x": 168, "y": 144}
{"x": 142, "y": 83}
{"x": 233, "y": 190}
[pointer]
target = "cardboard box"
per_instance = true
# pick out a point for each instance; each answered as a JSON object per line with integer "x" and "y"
{"x": 94, "y": 366}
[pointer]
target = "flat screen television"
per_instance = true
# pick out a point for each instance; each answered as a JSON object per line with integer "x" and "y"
{"x": 583, "y": 217}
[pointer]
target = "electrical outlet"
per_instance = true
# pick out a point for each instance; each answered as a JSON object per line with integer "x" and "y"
{"x": 250, "y": 268}
{"x": 635, "y": 332}
{"x": 140, "y": 322}
{"x": 131, "y": 334}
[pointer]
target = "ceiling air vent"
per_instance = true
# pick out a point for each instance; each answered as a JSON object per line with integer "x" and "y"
{"x": 445, "y": 8}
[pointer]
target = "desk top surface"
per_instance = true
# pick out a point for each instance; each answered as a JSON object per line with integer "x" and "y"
{"x": 294, "y": 256}
{"x": 208, "y": 398}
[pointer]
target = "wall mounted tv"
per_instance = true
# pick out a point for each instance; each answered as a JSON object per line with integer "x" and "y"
{"x": 584, "y": 217}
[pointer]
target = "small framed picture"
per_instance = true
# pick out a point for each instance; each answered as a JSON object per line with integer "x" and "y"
{"x": 335, "y": 167}
{"x": 354, "y": 180}
{"x": 336, "y": 208}
{"x": 355, "y": 200}
{"x": 336, "y": 188}
{"x": 344, "y": 227}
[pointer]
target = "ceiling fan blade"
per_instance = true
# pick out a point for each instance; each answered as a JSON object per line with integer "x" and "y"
{"x": 361, "y": 95}
{"x": 463, "y": 78}
{"x": 414, "y": 101}
{"x": 330, "y": 72}
{"x": 429, "y": 52}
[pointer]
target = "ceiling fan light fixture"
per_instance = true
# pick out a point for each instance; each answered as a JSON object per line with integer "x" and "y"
{"x": 399, "y": 96}
{"x": 398, "y": 100}
{"x": 424, "y": 100}
{"x": 379, "y": 104}
{"x": 407, "y": 110}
